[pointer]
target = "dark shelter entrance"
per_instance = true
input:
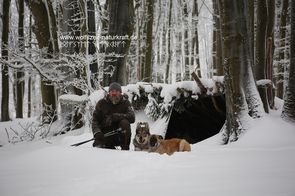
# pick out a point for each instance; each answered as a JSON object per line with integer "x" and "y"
{"x": 196, "y": 120}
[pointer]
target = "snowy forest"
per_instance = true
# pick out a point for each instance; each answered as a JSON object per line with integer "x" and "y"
{"x": 218, "y": 73}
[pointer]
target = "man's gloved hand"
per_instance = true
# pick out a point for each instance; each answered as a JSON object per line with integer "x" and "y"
{"x": 99, "y": 137}
{"x": 117, "y": 117}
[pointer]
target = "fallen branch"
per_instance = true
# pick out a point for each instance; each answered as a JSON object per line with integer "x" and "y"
{"x": 199, "y": 83}
{"x": 7, "y": 135}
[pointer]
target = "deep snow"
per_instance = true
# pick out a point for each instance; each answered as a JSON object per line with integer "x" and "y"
{"x": 260, "y": 163}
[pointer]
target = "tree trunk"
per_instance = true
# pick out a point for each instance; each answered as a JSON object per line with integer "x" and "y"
{"x": 5, "y": 70}
{"x": 251, "y": 17}
{"x": 282, "y": 44}
{"x": 74, "y": 25}
{"x": 237, "y": 60}
{"x": 30, "y": 77}
{"x": 217, "y": 49}
{"x": 185, "y": 42}
{"x": 120, "y": 29}
{"x": 20, "y": 72}
{"x": 47, "y": 38}
{"x": 104, "y": 24}
{"x": 253, "y": 98}
{"x": 143, "y": 39}
{"x": 270, "y": 51}
{"x": 288, "y": 112}
{"x": 168, "y": 47}
{"x": 195, "y": 45}
{"x": 149, "y": 42}
{"x": 71, "y": 26}
{"x": 82, "y": 17}
{"x": 91, "y": 44}
{"x": 138, "y": 45}
{"x": 260, "y": 49}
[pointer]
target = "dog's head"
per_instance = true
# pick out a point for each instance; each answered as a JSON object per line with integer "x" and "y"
{"x": 154, "y": 141}
{"x": 142, "y": 132}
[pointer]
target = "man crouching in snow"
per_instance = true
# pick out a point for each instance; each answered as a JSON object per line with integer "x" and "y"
{"x": 114, "y": 112}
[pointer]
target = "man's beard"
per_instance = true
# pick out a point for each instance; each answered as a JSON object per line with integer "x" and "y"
{"x": 115, "y": 99}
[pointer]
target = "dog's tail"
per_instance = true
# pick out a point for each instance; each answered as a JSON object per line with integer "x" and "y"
{"x": 184, "y": 146}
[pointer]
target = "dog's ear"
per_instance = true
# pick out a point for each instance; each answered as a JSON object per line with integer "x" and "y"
{"x": 147, "y": 125}
{"x": 138, "y": 125}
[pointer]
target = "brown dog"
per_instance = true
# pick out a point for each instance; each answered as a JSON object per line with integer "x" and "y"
{"x": 142, "y": 136}
{"x": 161, "y": 146}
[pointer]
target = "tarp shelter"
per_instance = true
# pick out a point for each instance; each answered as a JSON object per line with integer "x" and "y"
{"x": 198, "y": 121}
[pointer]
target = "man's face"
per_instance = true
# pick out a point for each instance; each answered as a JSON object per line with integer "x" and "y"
{"x": 115, "y": 96}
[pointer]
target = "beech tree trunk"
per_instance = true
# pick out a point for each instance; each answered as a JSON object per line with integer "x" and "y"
{"x": 46, "y": 36}
{"x": 121, "y": 27}
{"x": 167, "y": 77}
{"x": 195, "y": 45}
{"x": 20, "y": 85}
{"x": 288, "y": 112}
{"x": 237, "y": 63}
{"x": 217, "y": 48}
{"x": 30, "y": 77}
{"x": 260, "y": 49}
{"x": 270, "y": 51}
{"x": 91, "y": 43}
{"x": 186, "y": 43}
{"x": 281, "y": 65}
{"x": 149, "y": 42}
{"x": 5, "y": 70}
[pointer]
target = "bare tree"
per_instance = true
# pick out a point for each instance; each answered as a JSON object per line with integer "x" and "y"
{"x": 282, "y": 48}
{"x": 251, "y": 22}
{"x": 4, "y": 53}
{"x": 121, "y": 25}
{"x": 30, "y": 78}
{"x": 185, "y": 42}
{"x": 217, "y": 50}
{"x": 20, "y": 72}
{"x": 288, "y": 112}
{"x": 195, "y": 45}
{"x": 74, "y": 26}
{"x": 167, "y": 75}
{"x": 91, "y": 45}
{"x": 260, "y": 49}
{"x": 270, "y": 51}
{"x": 46, "y": 35}
{"x": 149, "y": 41}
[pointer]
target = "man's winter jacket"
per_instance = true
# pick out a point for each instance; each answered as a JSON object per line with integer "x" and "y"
{"x": 107, "y": 115}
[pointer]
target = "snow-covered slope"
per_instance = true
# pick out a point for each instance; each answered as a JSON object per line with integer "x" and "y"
{"x": 261, "y": 163}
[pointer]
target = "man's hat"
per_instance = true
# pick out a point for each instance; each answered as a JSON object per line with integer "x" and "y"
{"x": 115, "y": 86}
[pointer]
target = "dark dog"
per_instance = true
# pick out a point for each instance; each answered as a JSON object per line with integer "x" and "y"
{"x": 161, "y": 146}
{"x": 141, "y": 138}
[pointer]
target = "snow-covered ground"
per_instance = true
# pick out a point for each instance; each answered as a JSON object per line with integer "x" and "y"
{"x": 260, "y": 163}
